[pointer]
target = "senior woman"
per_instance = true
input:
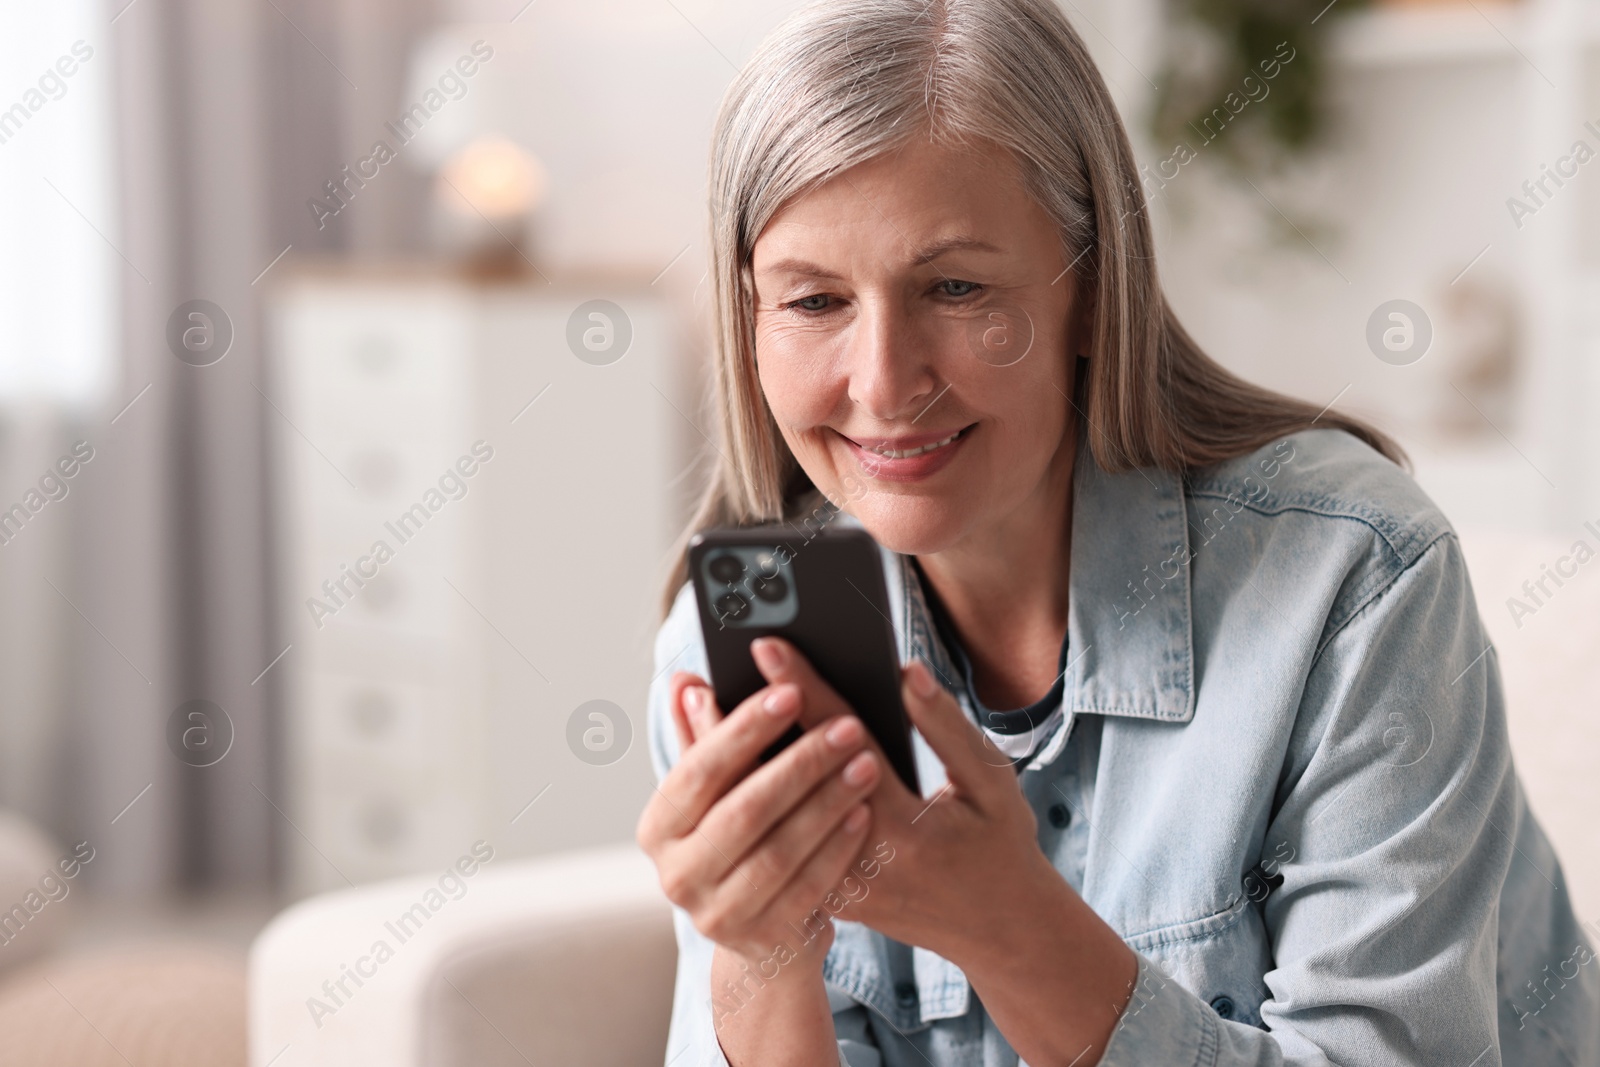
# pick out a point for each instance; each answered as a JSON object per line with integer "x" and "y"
{"x": 1214, "y": 763}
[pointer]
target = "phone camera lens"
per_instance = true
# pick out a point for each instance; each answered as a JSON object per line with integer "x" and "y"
{"x": 732, "y": 606}
{"x": 771, "y": 589}
{"x": 727, "y": 569}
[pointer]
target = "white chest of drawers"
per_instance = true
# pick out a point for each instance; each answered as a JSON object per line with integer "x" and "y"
{"x": 474, "y": 499}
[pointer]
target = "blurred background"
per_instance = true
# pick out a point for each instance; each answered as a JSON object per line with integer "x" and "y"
{"x": 352, "y": 377}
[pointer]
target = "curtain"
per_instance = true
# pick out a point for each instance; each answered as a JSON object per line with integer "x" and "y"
{"x": 149, "y": 584}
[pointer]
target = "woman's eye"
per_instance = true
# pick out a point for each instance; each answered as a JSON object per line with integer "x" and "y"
{"x": 951, "y": 287}
{"x": 816, "y": 302}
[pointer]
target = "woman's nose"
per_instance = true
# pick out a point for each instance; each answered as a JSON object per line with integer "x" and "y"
{"x": 891, "y": 375}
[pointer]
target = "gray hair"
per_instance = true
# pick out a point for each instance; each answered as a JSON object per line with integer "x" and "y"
{"x": 842, "y": 81}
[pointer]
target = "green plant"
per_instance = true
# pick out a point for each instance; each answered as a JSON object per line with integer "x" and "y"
{"x": 1243, "y": 80}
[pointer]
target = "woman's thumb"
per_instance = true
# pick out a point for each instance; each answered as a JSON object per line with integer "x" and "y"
{"x": 971, "y": 761}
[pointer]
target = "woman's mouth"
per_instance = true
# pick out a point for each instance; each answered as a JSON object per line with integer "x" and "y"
{"x": 908, "y": 458}
{"x": 904, "y": 453}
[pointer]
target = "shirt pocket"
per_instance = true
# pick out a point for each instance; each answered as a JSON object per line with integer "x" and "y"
{"x": 859, "y": 965}
{"x": 1221, "y": 958}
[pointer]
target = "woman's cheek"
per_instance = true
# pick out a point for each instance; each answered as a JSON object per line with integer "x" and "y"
{"x": 798, "y": 395}
{"x": 797, "y": 372}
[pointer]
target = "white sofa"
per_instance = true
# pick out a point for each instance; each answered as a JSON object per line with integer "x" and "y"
{"x": 564, "y": 960}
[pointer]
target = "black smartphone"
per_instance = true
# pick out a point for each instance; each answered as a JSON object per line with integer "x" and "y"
{"x": 822, "y": 592}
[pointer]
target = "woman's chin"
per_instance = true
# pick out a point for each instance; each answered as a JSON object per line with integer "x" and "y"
{"x": 912, "y": 526}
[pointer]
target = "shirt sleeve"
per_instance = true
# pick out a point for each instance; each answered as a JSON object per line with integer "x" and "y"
{"x": 1392, "y": 830}
{"x": 691, "y": 1037}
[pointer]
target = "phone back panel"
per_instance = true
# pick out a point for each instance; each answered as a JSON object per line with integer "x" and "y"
{"x": 835, "y": 610}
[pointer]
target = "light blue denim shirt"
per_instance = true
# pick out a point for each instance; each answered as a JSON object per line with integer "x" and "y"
{"x": 1284, "y": 778}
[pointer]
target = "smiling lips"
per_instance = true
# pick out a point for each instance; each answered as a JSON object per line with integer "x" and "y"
{"x": 909, "y": 458}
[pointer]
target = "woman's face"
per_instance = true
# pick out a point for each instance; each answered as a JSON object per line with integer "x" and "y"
{"x": 920, "y": 301}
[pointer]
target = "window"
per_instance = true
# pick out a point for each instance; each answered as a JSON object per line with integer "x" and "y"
{"x": 59, "y": 265}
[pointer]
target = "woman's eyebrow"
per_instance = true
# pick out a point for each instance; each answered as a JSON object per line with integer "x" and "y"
{"x": 925, "y": 254}
{"x": 953, "y": 243}
{"x": 798, "y": 266}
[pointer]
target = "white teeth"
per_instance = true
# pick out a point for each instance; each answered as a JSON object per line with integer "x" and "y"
{"x": 903, "y": 453}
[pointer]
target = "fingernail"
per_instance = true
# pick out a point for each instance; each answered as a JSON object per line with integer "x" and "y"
{"x": 856, "y": 821}
{"x": 769, "y": 655}
{"x": 783, "y": 700}
{"x": 694, "y": 699}
{"x": 845, "y": 732}
{"x": 858, "y": 772}
{"x": 922, "y": 682}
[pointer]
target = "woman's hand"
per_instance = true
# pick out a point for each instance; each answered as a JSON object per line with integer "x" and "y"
{"x": 748, "y": 849}
{"x": 751, "y": 851}
{"x": 965, "y": 878}
{"x": 960, "y": 866}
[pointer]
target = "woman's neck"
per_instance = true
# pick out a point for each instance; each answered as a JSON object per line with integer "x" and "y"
{"x": 1005, "y": 590}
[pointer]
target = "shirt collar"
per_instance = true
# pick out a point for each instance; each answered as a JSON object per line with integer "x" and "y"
{"x": 1128, "y": 623}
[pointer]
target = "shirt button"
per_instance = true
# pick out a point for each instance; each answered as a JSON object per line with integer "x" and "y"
{"x": 905, "y": 994}
{"x": 1060, "y": 816}
{"x": 1223, "y": 1006}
